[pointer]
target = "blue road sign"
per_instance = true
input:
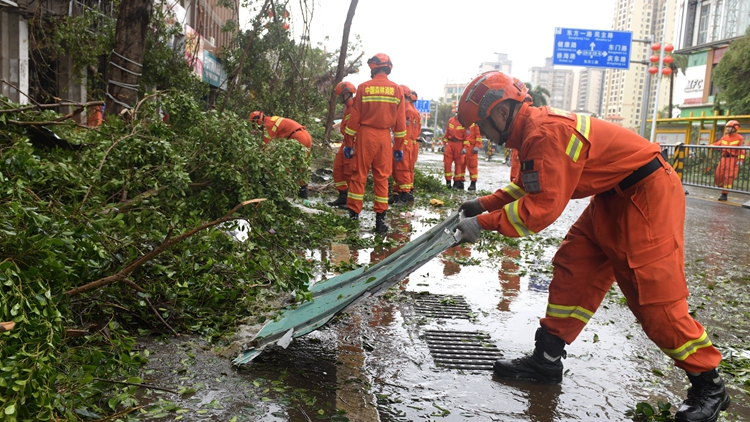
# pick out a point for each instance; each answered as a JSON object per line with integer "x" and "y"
{"x": 423, "y": 106}
{"x": 592, "y": 48}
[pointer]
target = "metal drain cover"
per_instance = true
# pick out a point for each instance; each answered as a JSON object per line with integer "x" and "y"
{"x": 442, "y": 306}
{"x": 470, "y": 350}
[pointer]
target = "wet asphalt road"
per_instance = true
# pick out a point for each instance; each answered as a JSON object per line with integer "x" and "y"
{"x": 374, "y": 364}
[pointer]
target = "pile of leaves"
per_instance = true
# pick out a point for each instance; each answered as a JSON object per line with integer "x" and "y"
{"x": 123, "y": 230}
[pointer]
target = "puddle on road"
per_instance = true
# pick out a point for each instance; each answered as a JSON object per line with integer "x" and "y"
{"x": 373, "y": 363}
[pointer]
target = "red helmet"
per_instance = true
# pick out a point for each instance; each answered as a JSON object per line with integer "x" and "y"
{"x": 380, "y": 60}
{"x": 257, "y": 117}
{"x": 407, "y": 91}
{"x": 734, "y": 123}
{"x": 413, "y": 97}
{"x": 344, "y": 87}
{"x": 485, "y": 92}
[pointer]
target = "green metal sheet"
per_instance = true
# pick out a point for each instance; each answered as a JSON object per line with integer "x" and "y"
{"x": 335, "y": 295}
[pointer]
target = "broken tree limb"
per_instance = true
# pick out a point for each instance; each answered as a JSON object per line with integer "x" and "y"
{"x": 168, "y": 242}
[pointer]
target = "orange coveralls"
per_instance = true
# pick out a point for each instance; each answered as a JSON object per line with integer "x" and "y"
{"x": 379, "y": 108}
{"x": 456, "y": 139}
{"x": 281, "y": 127}
{"x": 472, "y": 160}
{"x": 634, "y": 236}
{"x": 729, "y": 165}
{"x": 342, "y": 169}
{"x": 403, "y": 172}
{"x": 416, "y": 127}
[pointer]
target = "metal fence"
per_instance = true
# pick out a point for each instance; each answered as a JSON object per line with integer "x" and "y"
{"x": 710, "y": 167}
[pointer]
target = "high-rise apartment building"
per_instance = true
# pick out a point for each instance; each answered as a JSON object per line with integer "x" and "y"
{"x": 587, "y": 91}
{"x": 624, "y": 89}
{"x": 502, "y": 64}
{"x": 559, "y": 83}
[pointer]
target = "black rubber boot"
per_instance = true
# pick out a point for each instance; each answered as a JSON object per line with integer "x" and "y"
{"x": 302, "y": 193}
{"x": 448, "y": 184}
{"x": 473, "y": 185}
{"x": 393, "y": 198}
{"x": 723, "y": 197}
{"x": 380, "y": 226}
{"x": 409, "y": 197}
{"x": 459, "y": 184}
{"x": 353, "y": 215}
{"x": 402, "y": 199}
{"x": 544, "y": 365}
{"x": 705, "y": 399}
{"x": 341, "y": 200}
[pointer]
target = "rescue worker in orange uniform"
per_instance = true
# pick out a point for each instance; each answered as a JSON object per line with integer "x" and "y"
{"x": 379, "y": 108}
{"x": 454, "y": 156}
{"x": 631, "y": 231}
{"x": 731, "y": 159}
{"x": 402, "y": 169}
{"x": 277, "y": 127}
{"x": 474, "y": 140}
{"x": 342, "y": 170}
{"x": 416, "y": 124}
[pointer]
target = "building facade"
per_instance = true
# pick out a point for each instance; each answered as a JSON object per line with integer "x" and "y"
{"x": 587, "y": 91}
{"x": 559, "y": 83}
{"x": 703, "y": 32}
{"x": 624, "y": 90}
{"x": 502, "y": 64}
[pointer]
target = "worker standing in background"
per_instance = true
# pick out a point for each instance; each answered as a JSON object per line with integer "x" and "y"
{"x": 632, "y": 231}
{"x": 731, "y": 159}
{"x": 416, "y": 126}
{"x": 454, "y": 161}
{"x": 277, "y": 127}
{"x": 401, "y": 169}
{"x": 379, "y": 108}
{"x": 342, "y": 170}
{"x": 474, "y": 140}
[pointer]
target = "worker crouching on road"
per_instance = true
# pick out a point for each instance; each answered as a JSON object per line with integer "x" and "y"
{"x": 342, "y": 168}
{"x": 379, "y": 108}
{"x": 632, "y": 232}
{"x": 731, "y": 159}
{"x": 277, "y": 127}
{"x": 456, "y": 145}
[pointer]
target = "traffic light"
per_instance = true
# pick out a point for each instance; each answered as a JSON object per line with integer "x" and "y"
{"x": 454, "y": 106}
{"x": 665, "y": 58}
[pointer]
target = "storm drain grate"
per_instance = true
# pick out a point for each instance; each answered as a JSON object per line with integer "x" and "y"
{"x": 442, "y": 306}
{"x": 462, "y": 349}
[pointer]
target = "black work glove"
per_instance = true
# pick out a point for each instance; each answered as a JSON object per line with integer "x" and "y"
{"x": 471, "y": 208}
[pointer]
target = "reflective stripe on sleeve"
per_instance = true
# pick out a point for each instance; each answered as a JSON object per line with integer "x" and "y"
{"x": 511, "y": 211}
{"x": 399, "y": 134}
{"x": 562, "y": 311}
{"x": 350, "y": 132}
{"x": 583, "y": 125}
{"x": 688, "y": 348}
{"x": 574, "y": 148}
{"x": 514, "y": 190}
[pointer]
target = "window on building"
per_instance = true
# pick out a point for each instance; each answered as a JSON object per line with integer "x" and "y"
{"x": 703, "y": 23}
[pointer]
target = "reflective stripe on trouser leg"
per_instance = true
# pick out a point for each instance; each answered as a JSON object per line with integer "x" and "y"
{"x": 582, "y": 277}
{"x": 374, "y": 151}
{"x": 339, "y": 174}
{"x": 472, "y": 164}
{"x": 401, "y": 171}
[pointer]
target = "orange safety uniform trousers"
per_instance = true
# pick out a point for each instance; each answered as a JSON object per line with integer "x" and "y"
{"x": 374, "y": 151}
{"x": 609, "y": 242}
{"x": 452, "y": 154}
{"x": 342, "y": 170}
{"x": 414, "y": 156}
{"x": 472, "y": 163}
{"x": 726, "y": 172}
{"x": 402, "y": 170}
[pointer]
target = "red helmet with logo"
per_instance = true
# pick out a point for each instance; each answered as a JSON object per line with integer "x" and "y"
{"x": 734, "y": 123}
{"x": 485, "y": 92}
{"x": 344, "y": 87}
{"x": 257, "y": 117}
{"x": 380, "y": 60}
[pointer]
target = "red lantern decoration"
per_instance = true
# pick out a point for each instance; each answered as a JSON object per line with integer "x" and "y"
{"x": 668, "y": 60}
{"x": 285, "y": 26}
{"x": 669, "y": 48}
{"x": 666, "y": 71}
{"x": 653, "y": 70}
{"x": 654, "y": 59}
{"x": 656, "y": 47}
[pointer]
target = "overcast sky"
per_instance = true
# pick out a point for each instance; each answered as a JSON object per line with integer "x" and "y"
{"x": 432, "y": 42}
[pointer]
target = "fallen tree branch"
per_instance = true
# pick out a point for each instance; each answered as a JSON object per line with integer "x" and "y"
{"x": 47, "y": 123}
{"x": 135, "y": 384}
{"x": 168, "y": 242}
{"x": 156, "y": 312}
{"x": 50, "y": 106}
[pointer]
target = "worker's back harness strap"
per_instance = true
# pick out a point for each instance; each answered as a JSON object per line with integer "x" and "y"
{"x": 637, "y": 175}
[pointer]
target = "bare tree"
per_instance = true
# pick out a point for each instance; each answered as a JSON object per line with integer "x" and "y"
{"x": 340, "y": 69}
{"x": 126, "y": 59}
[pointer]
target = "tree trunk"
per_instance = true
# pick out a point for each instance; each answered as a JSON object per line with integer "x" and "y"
{"x": 126, "y": 60}
{"x": 340, "y": 69}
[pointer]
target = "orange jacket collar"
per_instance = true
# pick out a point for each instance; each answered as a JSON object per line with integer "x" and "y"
{"x": 517, "y": 127}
